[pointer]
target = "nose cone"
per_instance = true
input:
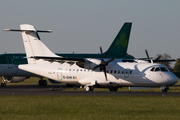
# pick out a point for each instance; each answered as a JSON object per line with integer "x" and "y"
{"x": 174, "y": 79}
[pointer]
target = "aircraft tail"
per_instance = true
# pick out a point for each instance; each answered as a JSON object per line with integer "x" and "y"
{"x": 120, "y": 44}
{"x": 32, "y": 43}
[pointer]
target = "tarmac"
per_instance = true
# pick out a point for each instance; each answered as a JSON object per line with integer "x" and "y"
{"x": 58, "y": 90}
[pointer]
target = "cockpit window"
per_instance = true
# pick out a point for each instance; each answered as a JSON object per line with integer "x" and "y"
{"x": 163, "y": 69}
{"x": 157, "y": 69}
{"x": 152, "y": 69}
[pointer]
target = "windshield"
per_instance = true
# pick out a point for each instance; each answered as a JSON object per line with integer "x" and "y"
{"x": 156, "y": 69}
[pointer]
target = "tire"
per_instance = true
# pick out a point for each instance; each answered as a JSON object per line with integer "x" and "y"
{"x": 164, "y": 90}
{"x": 87, "y": 88}
{"x": 3, "y": 84}
{"x": 40, "y": 82}
{"x": 44, "y": 82}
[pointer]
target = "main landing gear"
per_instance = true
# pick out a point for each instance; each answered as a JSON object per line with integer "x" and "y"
{"x": 3, "y": 84}
{"x": 42, "y": 82}
{"x": 89, "y": 88}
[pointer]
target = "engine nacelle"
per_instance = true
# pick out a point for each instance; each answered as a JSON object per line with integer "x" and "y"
{"x": 15, "y": 79}
{"x": 91, "y": 63}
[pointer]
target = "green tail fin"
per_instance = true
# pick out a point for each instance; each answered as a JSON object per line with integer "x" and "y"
{"x": 120, "y": 43}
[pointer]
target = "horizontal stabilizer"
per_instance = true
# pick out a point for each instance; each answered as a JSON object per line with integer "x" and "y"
{"x": 18, "y": 30}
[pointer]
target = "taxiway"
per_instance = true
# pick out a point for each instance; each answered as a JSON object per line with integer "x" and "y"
{"x": 58, "y": 90}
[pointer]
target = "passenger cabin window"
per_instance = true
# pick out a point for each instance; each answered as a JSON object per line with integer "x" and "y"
{"x": 114, "y": 71}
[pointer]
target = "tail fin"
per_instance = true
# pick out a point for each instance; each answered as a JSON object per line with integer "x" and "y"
{"x": 120, "y": 44}
{"x": 33, "y": 45}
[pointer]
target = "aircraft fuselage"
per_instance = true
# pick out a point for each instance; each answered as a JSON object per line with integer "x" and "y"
{"x": 121, "y": 74}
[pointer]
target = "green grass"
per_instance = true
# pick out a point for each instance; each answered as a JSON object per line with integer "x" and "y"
{"x": 16, "y": 107}
{"x": 89, "y": 107}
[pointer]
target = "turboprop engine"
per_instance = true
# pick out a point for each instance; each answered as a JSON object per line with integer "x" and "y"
{"x": 89, "y": 63}
{"x": 15, "y": 79}
{"x": 92, "y": 63}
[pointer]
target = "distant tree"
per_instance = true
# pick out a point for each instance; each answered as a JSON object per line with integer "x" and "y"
{"x": 165, "y": 57}
{"x": 177, "y": 65}
{"x": 176, "y": 70}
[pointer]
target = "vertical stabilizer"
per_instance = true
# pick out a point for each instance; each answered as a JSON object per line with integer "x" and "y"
{"x": 121, "y": 41}
{"x": 32, "y": 43}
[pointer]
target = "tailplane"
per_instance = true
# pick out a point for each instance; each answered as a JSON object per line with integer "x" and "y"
{"x": 120, "y": 44}
{"x": 32, "y": 43}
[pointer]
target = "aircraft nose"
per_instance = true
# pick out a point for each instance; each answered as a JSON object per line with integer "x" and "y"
{"x": 174, "y": 79}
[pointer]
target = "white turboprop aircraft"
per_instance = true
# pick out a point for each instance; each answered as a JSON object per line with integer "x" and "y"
{"x": 88, "y": 72}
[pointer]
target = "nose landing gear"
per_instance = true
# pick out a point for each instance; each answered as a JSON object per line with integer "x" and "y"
{"x": 164, "y": 88}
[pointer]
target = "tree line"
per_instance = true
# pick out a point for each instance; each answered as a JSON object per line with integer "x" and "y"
{"x": 175, "y": 69}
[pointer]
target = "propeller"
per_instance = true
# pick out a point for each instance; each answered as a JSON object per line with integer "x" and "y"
{"x": 147, "y": 54}
{"x": 149, "y": 57}
{"x": 103, "y": 64}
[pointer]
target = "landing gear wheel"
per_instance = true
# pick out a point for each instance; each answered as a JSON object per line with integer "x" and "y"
{"x": 89, "y": 88}
{"x": 164, "y": 90}
{"x": 3, "y": 84}
{"x": 42, "y": 82}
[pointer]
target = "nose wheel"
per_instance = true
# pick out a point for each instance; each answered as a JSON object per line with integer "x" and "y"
{"x": 164, "y": 88}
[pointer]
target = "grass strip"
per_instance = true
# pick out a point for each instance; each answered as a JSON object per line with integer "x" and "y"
{"x": 89, "y": 107}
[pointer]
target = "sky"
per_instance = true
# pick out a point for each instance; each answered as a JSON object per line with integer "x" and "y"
{"x": 82, "y": 26}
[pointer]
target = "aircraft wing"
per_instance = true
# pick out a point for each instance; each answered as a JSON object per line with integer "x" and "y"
{"x": 60, "y": 59}
{"x": 167, "y": 60}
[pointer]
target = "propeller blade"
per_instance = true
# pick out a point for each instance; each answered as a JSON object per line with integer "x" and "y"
{"x": 105, "y": 73}
{"x": 147, "y": 54}
{"x": 103, "y": 64}
{"x": 97, "y": 66}
{"x": 110, "y": 60}
{"x": 158, "y": 57}
{"x": 101, "y": 52}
